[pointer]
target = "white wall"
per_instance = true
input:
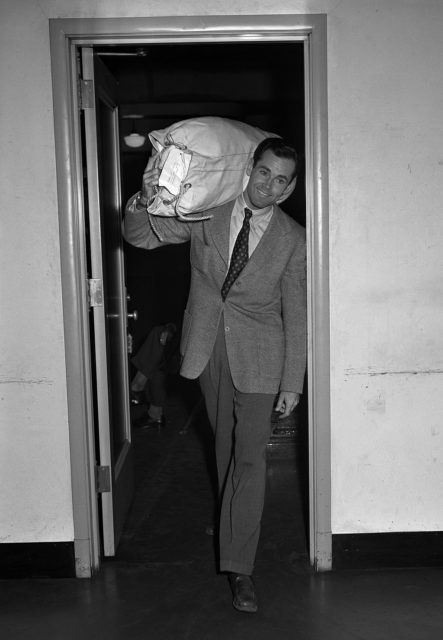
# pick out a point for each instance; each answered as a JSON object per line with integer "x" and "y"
{"x": 386, "y": 188}
{"x": 35, "y": 495}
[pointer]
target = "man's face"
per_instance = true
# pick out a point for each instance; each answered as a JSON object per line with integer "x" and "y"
{"x": 270, "y": 180}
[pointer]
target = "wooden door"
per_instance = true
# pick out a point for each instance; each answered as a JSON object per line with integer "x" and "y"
{"x": 109, "y": 314}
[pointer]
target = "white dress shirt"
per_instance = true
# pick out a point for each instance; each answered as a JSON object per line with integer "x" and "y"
{"x": 258, "y": 224}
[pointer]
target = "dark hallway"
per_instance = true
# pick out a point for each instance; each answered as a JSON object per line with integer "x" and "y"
{"x": 163, "y": 583}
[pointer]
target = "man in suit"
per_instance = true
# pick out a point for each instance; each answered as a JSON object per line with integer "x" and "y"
{"x": 244, "y": 334}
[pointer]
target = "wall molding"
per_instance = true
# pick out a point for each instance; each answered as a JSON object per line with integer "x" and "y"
{"x": 387, "y": 550}
{"x": 37, "y": 560}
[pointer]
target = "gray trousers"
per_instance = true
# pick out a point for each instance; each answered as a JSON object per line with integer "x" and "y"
{"x": 242, "y": 426}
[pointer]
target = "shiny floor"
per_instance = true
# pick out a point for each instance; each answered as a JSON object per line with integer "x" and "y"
{"x": 163, "y": 583}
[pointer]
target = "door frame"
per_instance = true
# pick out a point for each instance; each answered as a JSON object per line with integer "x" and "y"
{"x": 66, "y": 36}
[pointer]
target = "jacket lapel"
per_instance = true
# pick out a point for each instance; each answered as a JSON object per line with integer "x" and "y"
{"x": 269, "y": 243}
{"x": 218, "y": 227}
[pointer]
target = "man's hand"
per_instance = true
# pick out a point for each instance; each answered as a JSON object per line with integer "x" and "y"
{"x": 287, "y": 401}
{"x": 150, "y": 179}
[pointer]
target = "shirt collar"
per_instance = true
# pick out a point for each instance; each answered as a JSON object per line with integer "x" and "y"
{"x": 255, "y": 212}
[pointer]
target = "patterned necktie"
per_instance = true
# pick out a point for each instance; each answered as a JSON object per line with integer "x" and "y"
{"x": 239, "y": 255}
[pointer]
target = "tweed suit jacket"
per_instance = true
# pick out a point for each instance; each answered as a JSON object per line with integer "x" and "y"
{"x": 264, "y": 314}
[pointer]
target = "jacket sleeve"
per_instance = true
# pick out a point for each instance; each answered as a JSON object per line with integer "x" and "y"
{"x": 149, "y": 232}
{"x": 294, "y": 312}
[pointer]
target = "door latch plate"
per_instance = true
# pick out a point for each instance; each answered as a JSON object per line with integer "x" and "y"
{"x": 95, "y": 288}
{"x": 102, "y": 479}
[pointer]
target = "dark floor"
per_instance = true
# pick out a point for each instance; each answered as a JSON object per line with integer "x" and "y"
{"x": 163, "y": 584}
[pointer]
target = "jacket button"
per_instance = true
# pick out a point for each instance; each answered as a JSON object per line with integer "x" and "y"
{"x": 227, "y": 329}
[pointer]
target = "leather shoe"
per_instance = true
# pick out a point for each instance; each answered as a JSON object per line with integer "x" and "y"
{"x": 243, "y": 592}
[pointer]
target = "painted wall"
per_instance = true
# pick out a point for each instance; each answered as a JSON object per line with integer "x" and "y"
{"x": 386, "y": 194}
{"x": 386, "y": 189}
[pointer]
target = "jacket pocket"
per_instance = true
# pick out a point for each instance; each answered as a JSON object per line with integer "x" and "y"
{"x": 271, "y": 357}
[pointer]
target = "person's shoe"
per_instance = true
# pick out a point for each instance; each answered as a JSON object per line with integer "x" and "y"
{"x": 243, "y": 592}
{"x": 151, "y": 423}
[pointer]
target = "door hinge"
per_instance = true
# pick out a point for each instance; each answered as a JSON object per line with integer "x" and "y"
{"x": 86, "y": 94}
{"x": 102, "y": 479}
{"x": 95, "y": 292}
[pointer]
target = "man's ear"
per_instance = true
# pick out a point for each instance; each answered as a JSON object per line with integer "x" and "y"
{"x": 291, "y": 186}
{"x": 250, "y": 166}
{"x": 287, "y": 192}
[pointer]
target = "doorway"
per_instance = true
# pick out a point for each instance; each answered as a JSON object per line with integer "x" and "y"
{"x": 161, "y": 84}
{"x": 157, "y": 86}
{"x": 285, "y": 32}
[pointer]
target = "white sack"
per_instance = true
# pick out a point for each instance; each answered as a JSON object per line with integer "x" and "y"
{"x": 203, "y": 163}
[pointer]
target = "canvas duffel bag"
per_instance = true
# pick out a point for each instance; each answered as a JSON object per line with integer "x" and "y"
{"x": 202, "y": 163}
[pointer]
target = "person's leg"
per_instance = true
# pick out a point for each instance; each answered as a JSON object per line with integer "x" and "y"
{"x": 244, "y": 492}
{"x": 138, "y": 384}
{"x": 241, "y": 476}
{"x": 242, "y": 426}
{"x": 218, "y": 392}
{"x": 138, "y": 381}
{"x": 155, "y": 392}
{"x": 155, "y": 412}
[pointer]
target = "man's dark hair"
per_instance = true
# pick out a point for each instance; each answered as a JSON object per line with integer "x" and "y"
{"x": 279, "y": 147}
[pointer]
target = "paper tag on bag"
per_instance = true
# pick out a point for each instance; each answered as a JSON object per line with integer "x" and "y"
{"x": 175, "y": 169}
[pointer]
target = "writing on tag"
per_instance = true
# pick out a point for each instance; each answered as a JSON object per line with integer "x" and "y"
{"x": 174, "y": 170}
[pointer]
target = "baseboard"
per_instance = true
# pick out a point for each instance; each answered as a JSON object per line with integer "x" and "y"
{"x": 387, "y": 550}
{"x": 37, "y": 560}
